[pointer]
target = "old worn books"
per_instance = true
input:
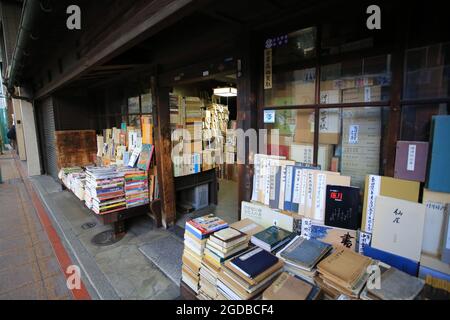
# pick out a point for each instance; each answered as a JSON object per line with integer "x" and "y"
{"x": 288, "y": 287}
{"x": 397, "y": 285}
{"x": 398, "y": 227}
{"x": 345, "y": 271}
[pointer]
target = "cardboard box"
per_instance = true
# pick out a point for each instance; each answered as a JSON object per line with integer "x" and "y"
{"x": 329, "y": 126}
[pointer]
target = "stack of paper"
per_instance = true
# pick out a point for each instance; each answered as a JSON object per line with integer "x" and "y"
{"x": 246, "y": 276}
{"x": 197, "y": 232}
{"x": 302, "y": 255}
{"x": 220, "y": 246}
{"x": 344, "y": 271}
{"x": 105, "y": 190}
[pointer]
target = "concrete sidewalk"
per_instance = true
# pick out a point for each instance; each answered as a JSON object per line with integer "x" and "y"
{"x": 29, "y": 269}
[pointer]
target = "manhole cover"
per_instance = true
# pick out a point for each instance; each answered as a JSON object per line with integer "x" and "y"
{"x": 88, "y": 225}
{"x": 105, "y": 238}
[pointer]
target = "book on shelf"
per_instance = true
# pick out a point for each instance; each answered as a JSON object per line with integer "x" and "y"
{"x": 271, "y": 238}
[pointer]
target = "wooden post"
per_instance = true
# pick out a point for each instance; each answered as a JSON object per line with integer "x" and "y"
{"x": 163, "y": 148}
{"x": 247, "y": 111}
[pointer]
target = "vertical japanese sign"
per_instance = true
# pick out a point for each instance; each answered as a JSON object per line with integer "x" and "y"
{"x": 411, "y": 157}
{"x": 373, "y": 192}
{"x": 268, "y": 68}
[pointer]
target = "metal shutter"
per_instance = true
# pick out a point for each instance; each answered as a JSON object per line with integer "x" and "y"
{"x": 48, "y": 130}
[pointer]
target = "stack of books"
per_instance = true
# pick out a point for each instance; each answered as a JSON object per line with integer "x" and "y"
{"x": 394, "y": 285}
{"x": 105, "y": 190}
{"x": 197, "y": 232}
{"x": 288, "y": 287}
{"x": 272, "y": 238}
{"x": 344, "y": 272}
{"x": 193, "y": 109}
{"x": 246, "y": 276}
{"x": 174, "y": 102}
{"x": 77, "y": 184}
{"x": 136, "y": 188}
{"x": 302, "y": 255}
{"x": 63, "y": 174}
{"x": 220, "y": 246}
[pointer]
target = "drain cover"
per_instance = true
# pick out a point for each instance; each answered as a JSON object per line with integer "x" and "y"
{"x": 88, "y": 225}
{"x": 105, "y": 238}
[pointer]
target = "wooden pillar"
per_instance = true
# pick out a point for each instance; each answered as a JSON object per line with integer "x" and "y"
{"x": 163, "y": 150}
{"x": 247, "y": 111}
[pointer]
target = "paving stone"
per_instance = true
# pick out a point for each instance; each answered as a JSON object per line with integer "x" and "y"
{"x": 11, "y": 279}
{"x": 49, "y": 267}
{"x": 56, "y": 287}
{"x": 16, "y": 243}
{"x": 17, "y": 258}
{"x": 33, "y": 291}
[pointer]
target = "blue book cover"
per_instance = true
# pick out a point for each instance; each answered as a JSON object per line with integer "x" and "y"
{"x": 306, "y": 252}
{"x": 406, "y": 265}
{"x": 289, "y": 189}
{"x": 425, "y": 271}
{"x": 254, "y": 262}
{"x": 438, "y": 173}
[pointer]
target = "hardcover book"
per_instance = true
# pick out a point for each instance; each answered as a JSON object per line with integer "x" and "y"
{"x": 438, "y": 173}
{"x": 305, "y": 253}
{"x": 397, "y": 285}
{"x": 254, "y": 262}
{"x": 205, "y": 225}
{"x": 343, "y": 207}
{"x": 404, "y": 264}
{"x": 271, "y": 238}
{"x": 287, "y": 287}
{"x": 247, "y": 226}
{"x": 388, "y": 187}
{"x": 411, "y": 160}
{"x": 398, "y": 227}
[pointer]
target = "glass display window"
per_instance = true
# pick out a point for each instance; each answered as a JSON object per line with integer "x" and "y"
{"x": 427, "y": 72}
{"x": 290, "y": 135}
{"x": 416, "y": 120}
{"x": 351, "y": 140}
{"x": 356, "y": 81}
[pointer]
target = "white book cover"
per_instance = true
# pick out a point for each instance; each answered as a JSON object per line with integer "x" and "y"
{"x": 398, "y": 227}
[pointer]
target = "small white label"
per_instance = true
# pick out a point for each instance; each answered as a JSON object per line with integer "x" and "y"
{"x": 269, "y": 116}
{"x": 367, "y": 94}
{"x": 411, "y": 157}
{"x": 306, "y": 228}
{"x": 353, "y": 134}
{"x": 205, "y": 73}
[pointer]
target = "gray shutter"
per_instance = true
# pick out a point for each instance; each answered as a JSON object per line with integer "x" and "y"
{"x": 48, "y": 127}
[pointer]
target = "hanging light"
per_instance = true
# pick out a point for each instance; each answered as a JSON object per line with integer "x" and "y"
{"x": 225, "y": 92}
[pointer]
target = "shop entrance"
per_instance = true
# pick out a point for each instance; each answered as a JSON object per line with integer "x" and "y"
{"x": 203, "y": 115}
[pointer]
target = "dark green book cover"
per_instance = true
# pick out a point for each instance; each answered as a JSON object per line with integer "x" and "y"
{"x": 272, "y": 235}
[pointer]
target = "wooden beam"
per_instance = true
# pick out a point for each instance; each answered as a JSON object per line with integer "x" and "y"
{"x": 163, "y": 148}
{"x": 142, "y": 22}
{"x": 247, "y": 111}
